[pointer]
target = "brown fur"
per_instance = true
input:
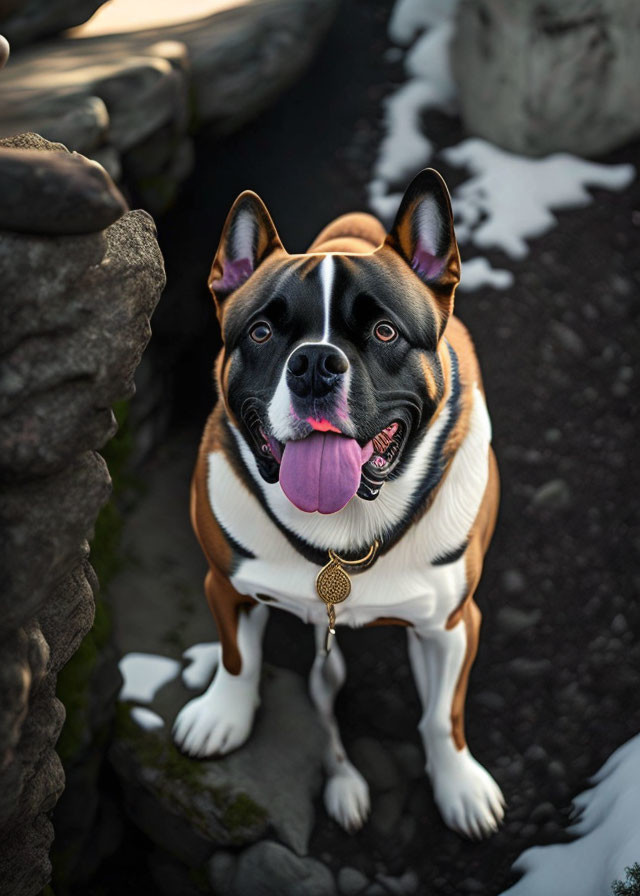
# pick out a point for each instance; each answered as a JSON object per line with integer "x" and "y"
{"x": 224, "y": 601}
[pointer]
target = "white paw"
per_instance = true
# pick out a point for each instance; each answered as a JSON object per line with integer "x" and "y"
{"x": 346, "y": 797}
{"x": 220, "y": 720}
{"x": 470, "y": 801}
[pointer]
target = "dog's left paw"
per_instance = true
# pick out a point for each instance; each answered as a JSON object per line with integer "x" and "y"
{"x": 219, "y": 721}
{"x": 470, "y": 801}
{"x": 346, "y": 797}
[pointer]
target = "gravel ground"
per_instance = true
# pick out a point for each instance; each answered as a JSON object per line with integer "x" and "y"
{"x": 554, "y": 689}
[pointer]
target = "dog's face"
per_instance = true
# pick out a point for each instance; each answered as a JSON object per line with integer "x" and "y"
{"x": 330, "y": 367}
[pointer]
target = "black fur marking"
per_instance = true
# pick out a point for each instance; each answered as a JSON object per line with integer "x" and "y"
{"x": 438, "y": 459}
{"x": 451, "y": 556}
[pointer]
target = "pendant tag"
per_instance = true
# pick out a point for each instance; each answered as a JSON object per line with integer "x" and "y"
{"x": 334, "y": 585}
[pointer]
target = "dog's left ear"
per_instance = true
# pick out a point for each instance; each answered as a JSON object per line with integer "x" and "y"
{"x": 248, "y": 237}
{"x": 423, "y": 235}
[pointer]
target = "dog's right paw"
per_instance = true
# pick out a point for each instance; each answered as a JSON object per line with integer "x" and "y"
{"x": 217, "y": 722}
{"x": 346, "y": 797}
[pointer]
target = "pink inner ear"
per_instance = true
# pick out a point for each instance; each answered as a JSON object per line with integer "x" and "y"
{"x": 426, "y": 264}
{"x": 234, "y": 275}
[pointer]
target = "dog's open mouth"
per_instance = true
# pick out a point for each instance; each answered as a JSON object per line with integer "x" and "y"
{"x": 324, "y": 470}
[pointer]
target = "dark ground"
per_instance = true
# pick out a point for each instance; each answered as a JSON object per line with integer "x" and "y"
{"x": 555, "y": 687}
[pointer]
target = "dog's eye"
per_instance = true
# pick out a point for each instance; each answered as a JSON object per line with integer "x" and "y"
{"x": 385, "y": 332}
{"x": 260, "y": 332}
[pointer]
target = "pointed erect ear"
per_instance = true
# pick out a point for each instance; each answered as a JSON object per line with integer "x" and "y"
{"x": 422, "y": 234}
{"x": 248, "y": 237}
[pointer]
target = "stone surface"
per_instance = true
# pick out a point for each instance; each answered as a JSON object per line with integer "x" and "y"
{"x": 75, "y": 320}
{"x": 270, "y": 869}
{"x": 351, "y": 882}
{"x": 24, "y": 21}
{"x": 538, "y": 78}
{"x": 56, "y": 193}
{"x": 134, "y": 92}
{"x": 190, "y": 807}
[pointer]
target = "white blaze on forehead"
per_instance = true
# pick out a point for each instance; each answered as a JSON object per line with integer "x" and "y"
{"x": 327, "y": 273}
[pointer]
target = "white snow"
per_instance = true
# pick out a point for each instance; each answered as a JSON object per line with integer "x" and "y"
{"x": 204, "y": 660}
{"x": 608, "y": 831}
{"x": 477, "y": 272}
{"x": 146, "y": 718}
{"x": 405, "y": 149}
{"x": 409, "y": 17}
{"x": 510, "y": 198}
{"x": 144, "y": 674}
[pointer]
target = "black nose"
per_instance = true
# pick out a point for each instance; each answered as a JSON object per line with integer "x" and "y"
{"x": 315, "y": 370}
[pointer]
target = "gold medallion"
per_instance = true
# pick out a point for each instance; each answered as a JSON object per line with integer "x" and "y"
{"x": 334, "y": 585}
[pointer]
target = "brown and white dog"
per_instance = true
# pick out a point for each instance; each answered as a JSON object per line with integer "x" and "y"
{"x": 351, "y": 411}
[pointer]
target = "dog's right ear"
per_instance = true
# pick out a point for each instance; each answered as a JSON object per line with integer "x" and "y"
{"x": 248, "y": 237}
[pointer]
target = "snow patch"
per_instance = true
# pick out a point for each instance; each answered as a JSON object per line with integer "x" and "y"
{"x": 608, "y": 831}
{"x": 405, "y": 149}
{"x": 146, "y": 718}
{"x": 144, "y": 674}
{"x": 510, "y": 198}
{"x": 477, "y": 272}
{"x": 204, "y": 660}
{"x": 409, "y": 17}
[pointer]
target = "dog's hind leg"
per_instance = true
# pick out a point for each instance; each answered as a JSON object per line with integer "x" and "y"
{"x": 220, "y": 719}
{"x": 346, "y": 795}
{"x": 469, "y": 799}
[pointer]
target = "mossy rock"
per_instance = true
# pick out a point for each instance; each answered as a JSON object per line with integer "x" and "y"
{"x": 266, "y": 786}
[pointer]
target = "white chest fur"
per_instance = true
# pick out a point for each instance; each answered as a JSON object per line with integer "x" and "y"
{"x": 403, "y": 582}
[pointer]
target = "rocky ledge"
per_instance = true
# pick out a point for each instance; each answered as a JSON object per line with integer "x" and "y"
{"x": 73, "y": 324}
{"x": 131, "y": 100}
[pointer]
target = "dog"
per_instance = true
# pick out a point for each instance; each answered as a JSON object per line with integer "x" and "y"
{"x": 350, "y": 451}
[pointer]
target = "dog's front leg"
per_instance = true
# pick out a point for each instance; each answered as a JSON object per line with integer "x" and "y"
{"x": 469, "y": 799}
{"x": 220, "y": 719}
{"x": 346, "y": 794}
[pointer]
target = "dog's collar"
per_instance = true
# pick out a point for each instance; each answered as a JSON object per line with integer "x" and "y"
{"x": 334, "y": 585}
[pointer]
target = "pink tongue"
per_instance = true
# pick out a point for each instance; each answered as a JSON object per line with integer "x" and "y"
{"x": 322, "y": 472}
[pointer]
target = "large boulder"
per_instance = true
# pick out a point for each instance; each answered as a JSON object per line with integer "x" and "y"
{"x": 24, "y": 21}
{"x": 74, "y": 322}
{"x": 536, "y": 78}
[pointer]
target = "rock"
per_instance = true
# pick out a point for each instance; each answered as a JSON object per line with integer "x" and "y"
{"x": 571, "y": 87}
{"x": 80, "y": 122}
{"x": 553, "y": 495}
{"x": 73, "y": 324}
{"x": 56, "y": 193}
{"x": 190, "y": 807}
{"x": 270, "y": 869}
{"x": 222, "y": 869}
{"x": 351, "y": 882}
{"x": 410, "y": 760}
{"x": 619, "y": 624}
{"x": 524, "y": 667}
{"x": 513, "y": 620}
{"x": 375, "y": 763}
{"x": 567, "y": 339}
{"x": 404, "y": 885}
{"x": 223, "y": 68}
{"x": 513, "y": 581}
{"x": 32, "y": 19}
{"x": 542, "y": 812}
{"x": 386, "y": 812}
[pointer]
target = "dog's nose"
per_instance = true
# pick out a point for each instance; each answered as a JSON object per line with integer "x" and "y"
{"x": 315, "y": 370}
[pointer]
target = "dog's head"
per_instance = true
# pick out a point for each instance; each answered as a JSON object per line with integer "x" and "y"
{"x": 330, "y": 366}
